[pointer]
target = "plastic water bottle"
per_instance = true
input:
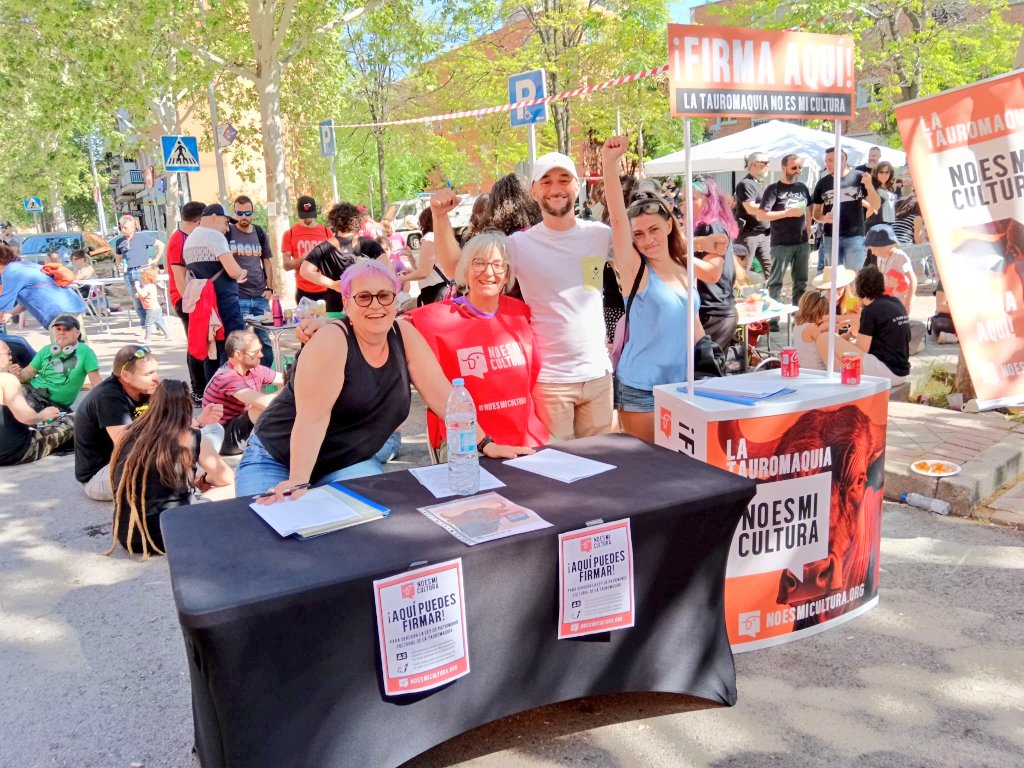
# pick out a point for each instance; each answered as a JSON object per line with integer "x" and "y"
{"x": 460, "y": 423}
{"x": 938, "y": 506}
{"x": 276, "y": 311}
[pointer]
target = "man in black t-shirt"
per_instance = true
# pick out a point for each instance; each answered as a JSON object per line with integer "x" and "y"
{"x": 326, "y": 262}
{"x": 753, "y": 234}
{"x": 784, "y": 206}
{"x": 855, "y": 187}
{"x": 251, "y": 248}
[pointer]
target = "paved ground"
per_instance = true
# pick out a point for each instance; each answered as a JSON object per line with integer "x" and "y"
{"x": 92, "y": 670}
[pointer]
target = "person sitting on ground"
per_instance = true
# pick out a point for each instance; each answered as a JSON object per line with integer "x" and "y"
{"x": 648, "y": 243}
{"x": 237, "y": 387}
{"x": 57, "y": 373}
{"x": 349, "y": 395}
{"x": 24, "y": 286}
{"x": 154, "y": 468}
{"x": 327, "y": 261}
{"x": 113, "y": 405}
{"x": 881, "y": 334}
{"x": 145, "y": 291}
{"x": 502, "y": 374}
{"x": 940, "y": 325}
{"x": 847, "y": 307}
{"x": 24, "y": 434}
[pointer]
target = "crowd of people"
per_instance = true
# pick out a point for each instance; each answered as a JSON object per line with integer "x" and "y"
{"x": 560, "y": 324}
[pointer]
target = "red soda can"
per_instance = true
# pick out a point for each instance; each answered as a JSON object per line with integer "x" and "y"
{"x": 790, "y": 362}
{"x": 851, "y": 368}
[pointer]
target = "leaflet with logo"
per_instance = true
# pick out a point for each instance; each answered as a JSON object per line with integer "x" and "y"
{"x": 485, "y": 517}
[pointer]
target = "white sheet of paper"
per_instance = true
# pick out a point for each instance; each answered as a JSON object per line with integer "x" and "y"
{"x": 559, "y": 465}
{"x": 317, "y": 507}
{"x": 435, "y": 479}
{"x": 749, "y": 388}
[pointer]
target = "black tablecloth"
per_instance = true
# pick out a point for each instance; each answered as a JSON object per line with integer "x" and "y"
{"x": 281, "y": 638}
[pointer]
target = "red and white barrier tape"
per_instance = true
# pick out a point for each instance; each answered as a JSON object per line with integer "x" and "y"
{"x": 519, "y": 104}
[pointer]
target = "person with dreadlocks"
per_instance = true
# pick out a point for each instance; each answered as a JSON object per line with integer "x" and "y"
{"x": 153, "y": 468}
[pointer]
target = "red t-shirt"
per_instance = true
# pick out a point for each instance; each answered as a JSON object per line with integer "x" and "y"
{"x": 299, "y": 241}
{"x": 227, "y": 381}
{"x": 499, "y": 360}
{"x": 175, "y": 245}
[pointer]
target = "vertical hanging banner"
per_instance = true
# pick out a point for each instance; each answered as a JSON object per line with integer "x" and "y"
{"x": 421, "y": 626}
{"x": 759, "y": 73}
{"x": 595, "y": 580}
{"x": 966, "y": 151}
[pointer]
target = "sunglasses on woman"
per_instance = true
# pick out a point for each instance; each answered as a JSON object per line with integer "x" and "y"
{"x": 648, "y": 206}
{"x": 365, "y": 298}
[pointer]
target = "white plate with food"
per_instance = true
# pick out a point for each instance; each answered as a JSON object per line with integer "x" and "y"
{"x": 935, "y": 468}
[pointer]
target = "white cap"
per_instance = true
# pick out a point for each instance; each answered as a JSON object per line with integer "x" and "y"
{"x": 550, "y": 162}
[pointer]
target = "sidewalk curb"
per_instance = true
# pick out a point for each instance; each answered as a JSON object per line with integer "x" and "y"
{"x": 979, "y": 479}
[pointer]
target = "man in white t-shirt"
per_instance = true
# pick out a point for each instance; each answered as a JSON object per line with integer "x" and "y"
{"x": 559, "y": 265}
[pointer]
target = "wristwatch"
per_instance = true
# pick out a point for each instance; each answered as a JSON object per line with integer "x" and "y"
{"x": 484, "y": 443}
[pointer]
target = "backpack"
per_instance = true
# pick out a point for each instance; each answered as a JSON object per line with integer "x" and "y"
{"x": 60, "y": 274}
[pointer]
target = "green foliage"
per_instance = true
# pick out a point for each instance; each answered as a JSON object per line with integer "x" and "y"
{"x": 906, "y": 48}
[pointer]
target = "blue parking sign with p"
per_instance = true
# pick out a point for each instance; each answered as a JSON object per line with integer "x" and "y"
{"x": 327, "y": 145}
{"x": 524, "y": 87}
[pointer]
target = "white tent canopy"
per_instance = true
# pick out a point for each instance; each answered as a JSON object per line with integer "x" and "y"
{"x": 776, "y": 139}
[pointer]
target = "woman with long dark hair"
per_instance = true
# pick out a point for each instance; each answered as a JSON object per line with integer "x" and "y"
{"x": 477, "y": 218}
{"x": 511, "y": 209}
{"x": 647, "y": 242}
{"x": 715, "y": 272}
{"x": 883, "y": 176}
{"x": 153, "y": 468}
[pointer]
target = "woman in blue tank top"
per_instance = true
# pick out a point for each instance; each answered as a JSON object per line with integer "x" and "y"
{"x": 646, "y": 235}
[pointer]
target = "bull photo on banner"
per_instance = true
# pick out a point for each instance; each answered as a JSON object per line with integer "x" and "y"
{"x": 966, "y": 154}
{"x": 805, "y": 553}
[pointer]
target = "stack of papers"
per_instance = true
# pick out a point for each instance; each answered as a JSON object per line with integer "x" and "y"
{"x": 319, "y": 511}
{"x": 486, "y": 517}
{"x": 735, "y": 390}
{"x": 559, "y": 465}
{"x": 435, "y": 479}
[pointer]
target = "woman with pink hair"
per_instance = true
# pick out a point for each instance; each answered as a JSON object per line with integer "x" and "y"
{"x": 716, "y": 273}
{"x": 348, "y": 396}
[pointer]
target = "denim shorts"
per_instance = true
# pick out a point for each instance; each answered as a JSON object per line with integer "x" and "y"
{"x": 633, "y": 400}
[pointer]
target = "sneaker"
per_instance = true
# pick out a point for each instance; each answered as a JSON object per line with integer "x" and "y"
{"x": 948, "y": 338}
{"x": 197, "y": 400}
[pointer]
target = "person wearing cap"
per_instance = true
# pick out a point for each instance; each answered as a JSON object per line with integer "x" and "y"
{"x": 208, "y": 256}
{"x": 559, "y": 266}
{"x": 784, "y": 206}
{"x": 855, "y": 188}
{"x": 135, "y": 255}
{"x": 892, "y": 262}
{"x": 754, "y": 232}
{"x": 298, "y": 242}
{"x": 251, "y": 248}
{"x": 58, "y": 372}
{"x": 25, "y": 435}
{"x": 25, "y": 287}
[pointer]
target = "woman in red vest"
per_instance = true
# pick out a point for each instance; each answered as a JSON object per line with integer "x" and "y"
{"x": 485, "y": 338}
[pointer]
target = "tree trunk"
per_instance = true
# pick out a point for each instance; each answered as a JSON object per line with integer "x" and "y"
{"x": 963, "y": 382}
{"x": 269, "y": 89}
{"x": 60, "y": 224}
{"x": 381, "y": 174}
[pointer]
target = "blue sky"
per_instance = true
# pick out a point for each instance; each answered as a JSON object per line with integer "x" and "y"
{"x": 679, "y": 10}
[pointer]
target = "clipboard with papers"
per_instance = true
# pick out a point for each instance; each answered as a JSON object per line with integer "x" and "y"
{"x": 733, "y": 389}
{"x": 322, "y": 510}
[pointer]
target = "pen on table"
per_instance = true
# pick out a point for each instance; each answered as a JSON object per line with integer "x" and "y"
{"x": 289, "y": 492}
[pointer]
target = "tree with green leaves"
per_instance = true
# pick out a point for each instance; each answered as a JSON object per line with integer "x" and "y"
{"x": 904, "y": 48}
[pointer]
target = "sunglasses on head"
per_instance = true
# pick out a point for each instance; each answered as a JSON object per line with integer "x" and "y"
{"x": 139, "y": 354}
{"x": 243, "y": 213}
{"x": 647, "y": 206}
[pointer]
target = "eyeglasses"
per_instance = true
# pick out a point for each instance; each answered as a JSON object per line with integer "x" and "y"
{"x": 480, "y": 266}
{"x": 365, "y": 298}
{"x": 139, "y": 354}
{"x": 795, "y": 169}
{"x": 254, "y": 352}
{"x": 243, "y": 213}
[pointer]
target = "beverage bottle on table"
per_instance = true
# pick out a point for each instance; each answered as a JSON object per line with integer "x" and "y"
{"x": 460, "y": 424}
{"x": 938, "y": 506}
{"x": 276, "y": 311}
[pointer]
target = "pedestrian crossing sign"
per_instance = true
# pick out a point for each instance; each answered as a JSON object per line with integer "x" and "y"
{"x": 181, "y": 153}
{"x": 32, "y": 205}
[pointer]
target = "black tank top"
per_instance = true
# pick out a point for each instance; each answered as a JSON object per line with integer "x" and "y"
{"x": 373, "y": 403}
{"x": 14, "y": 437}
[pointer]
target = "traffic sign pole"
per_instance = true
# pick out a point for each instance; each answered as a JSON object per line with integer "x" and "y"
{"x": 221, "y": 184}
{"x": 531, "y": 146}
{"x": 334, "y": 182}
